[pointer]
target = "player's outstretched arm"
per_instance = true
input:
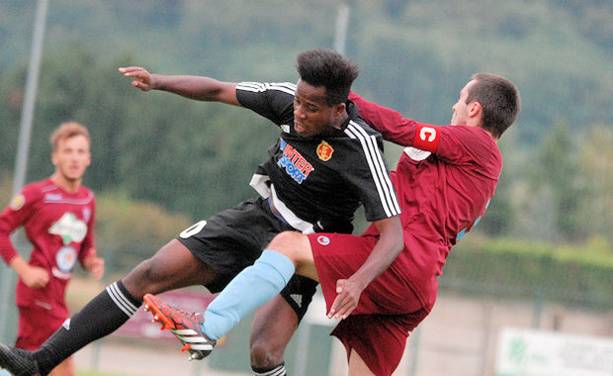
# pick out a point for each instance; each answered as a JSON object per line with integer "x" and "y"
{"x": 193, "y": 87}
{"x": 390, "y": 123}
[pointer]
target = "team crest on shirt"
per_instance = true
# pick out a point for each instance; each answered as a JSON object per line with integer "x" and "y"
{"x": 70, "y": 228}
{"x": 17, "y": 202}
{"x": 323, "y": 240}
{"x": 324, "y": 151}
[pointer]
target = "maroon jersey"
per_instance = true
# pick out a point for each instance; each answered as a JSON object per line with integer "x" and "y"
{"x": 60, "y": 227}
{"x": 444, "y": 181}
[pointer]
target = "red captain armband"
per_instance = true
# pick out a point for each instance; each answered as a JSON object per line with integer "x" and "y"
{"x": 427, "y": 137}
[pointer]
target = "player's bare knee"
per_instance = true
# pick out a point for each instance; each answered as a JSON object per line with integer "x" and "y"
{"x": 291, "y": 244}
{"x": 283, "y": 242}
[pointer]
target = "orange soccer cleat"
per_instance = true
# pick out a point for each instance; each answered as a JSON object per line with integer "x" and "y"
{"x": 186, "y": 326}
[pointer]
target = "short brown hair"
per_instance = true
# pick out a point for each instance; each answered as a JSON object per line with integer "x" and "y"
{"x": 68, "y": 130}
{"x": 499, "y": 99}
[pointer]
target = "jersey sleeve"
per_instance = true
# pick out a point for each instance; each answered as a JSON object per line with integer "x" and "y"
{"x": 273, "y": 101}
{"x": 370, "y": 176}
{"x": 14, "y": 216}
{"x": 394, "y": 128}
{"x": 455, "y": 144}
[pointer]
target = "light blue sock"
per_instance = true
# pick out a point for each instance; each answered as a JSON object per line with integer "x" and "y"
{"x": 251, "y": 288}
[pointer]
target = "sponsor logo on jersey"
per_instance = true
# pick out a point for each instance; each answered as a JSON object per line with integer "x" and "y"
{"x": 294, "y": 163}
{"x": 324, "y": 151}
{"x": 323, "y": 240}
{"x": 69, "y": 228}
{"x": 65, "y": 259}
{"x": 416, "y": 154}
{"x": 57, "y": 273}
{"x": 17, "y": 202}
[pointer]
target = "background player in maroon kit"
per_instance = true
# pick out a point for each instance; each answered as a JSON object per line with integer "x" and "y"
{"x": 58, "y": 216}
{"x": 444, "y": 181}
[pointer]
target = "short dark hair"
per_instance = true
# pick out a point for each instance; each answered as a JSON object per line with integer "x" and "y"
{"x": 499, "y": 99}
{"x": 328, "y": 68}
{"x": 68, "y": 130}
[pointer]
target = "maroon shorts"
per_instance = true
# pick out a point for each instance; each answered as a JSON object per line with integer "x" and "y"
{"x": 388, "y": 310}
{"x": 35, "y": 327}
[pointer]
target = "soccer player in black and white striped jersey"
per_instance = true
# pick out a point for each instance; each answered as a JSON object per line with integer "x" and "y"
{"x": 326, "y": 163}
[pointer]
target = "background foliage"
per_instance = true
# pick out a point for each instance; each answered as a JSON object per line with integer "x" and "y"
{"x": 197, "y": 158}
{"x": 580, "y": 276}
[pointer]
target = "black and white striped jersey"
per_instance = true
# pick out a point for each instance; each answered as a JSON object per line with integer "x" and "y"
{"x": 320, "y": 180}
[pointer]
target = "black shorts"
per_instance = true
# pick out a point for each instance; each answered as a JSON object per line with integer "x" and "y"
{"x": 233, "y": 239}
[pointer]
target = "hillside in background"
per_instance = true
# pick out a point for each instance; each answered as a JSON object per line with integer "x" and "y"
{"x": 415, "y": 57}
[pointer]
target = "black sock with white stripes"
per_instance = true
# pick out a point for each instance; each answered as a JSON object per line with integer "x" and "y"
{"x": 100, "y": 317}
{"x": 278, "y": 370}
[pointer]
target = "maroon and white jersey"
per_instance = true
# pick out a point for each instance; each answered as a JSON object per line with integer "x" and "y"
{"x": 59, "y": 225}
{"x": 444, "y": 181}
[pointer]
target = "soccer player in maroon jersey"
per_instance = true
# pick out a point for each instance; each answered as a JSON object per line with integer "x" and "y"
{"x": 444, "y": 181}
{"x": 58, "y": 216}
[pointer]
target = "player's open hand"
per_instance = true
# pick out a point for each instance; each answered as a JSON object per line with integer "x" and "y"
{"x": 347, "y": 299}
{"x": 142, "y": 78}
